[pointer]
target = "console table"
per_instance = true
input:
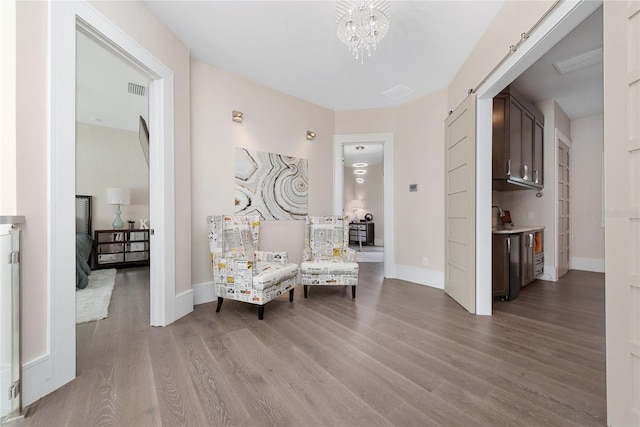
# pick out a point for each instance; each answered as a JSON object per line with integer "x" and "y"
{"x": 361, "y": 233}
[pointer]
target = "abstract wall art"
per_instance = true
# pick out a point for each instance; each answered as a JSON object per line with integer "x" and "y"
{"x": 271, "y": 185}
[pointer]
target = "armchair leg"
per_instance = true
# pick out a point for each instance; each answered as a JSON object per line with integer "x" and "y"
{"x": 305, "y": 290}
{"x": 353, "y": 291}
{"x": 260, "y": 312}
{"x": 220, "y": 299}
{"x": 291, "y": 295}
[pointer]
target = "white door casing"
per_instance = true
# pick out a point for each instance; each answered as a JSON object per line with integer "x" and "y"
{"x": 387, "y": 139}
{"x": 65, "y": 18}
{"x": 563, "y": 204}
{"x": 460, "y": 204}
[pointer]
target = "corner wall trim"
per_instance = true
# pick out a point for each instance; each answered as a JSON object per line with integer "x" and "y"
{"x": 203, "y": 293}
{"x": 184, "y": 303}
{"x": 36, "y": 380}
{"x": 421, "y": 276}
{"x": 587, "y": 264}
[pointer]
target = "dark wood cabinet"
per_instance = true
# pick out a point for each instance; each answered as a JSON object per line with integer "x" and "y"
{"x": 518, "y": 139}
{"x": 361, "y": 232}
{"x": 121, "y": 248}
{"x": 500, "y": 265}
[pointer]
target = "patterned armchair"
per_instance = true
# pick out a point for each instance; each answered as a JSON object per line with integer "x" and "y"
{"x": 327, "y": 258}
{"x": 240, "y": 271}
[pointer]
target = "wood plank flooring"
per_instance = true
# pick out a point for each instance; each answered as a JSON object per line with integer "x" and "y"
{"x": 400, "y": 354}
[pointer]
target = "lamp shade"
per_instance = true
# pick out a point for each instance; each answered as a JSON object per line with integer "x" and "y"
{"x": 118, "y": 196}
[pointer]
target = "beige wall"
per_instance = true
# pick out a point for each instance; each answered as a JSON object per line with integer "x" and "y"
{"x": 587, "y": 137}
{"x": 418, "y": 129}
{"x": 107, "y": 157}
{"x": 371, "y": 193}
{"x": 155, "y": 37}
{"x": 273, "y": 122}
{"x": 32, "y": 82}
{"x": 8, "y": 107}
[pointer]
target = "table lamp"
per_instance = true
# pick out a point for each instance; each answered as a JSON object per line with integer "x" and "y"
{"x": 118, "y": 196}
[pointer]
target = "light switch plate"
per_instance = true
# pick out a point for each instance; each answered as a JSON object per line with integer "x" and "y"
{"x": 413, "y": 187}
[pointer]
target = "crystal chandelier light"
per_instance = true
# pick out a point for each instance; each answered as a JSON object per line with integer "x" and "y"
{"x": 362, "y": 24}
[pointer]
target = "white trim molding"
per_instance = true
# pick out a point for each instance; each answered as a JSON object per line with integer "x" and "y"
{"x": 587, "y": 264}
{"x": 36, "y": 379}
{"x": 204, "y": 293}
{"x": 66, "y": 18}
{"x": 421, "y": 276}
{"x": 184, "y": 303}
{"x": 387, "y": 139}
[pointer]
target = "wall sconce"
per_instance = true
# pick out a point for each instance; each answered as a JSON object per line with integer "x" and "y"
{"x": 311, "y": 135}
{"x": 236, "y": 116}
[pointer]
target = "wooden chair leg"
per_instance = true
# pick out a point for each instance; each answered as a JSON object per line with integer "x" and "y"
{"x": 220, "y": 299}
{"x": 353, "y": 291}
{"x": 260, "y": 312}
{"x": 291, "y": 295}
{"x": 305, "y": 290}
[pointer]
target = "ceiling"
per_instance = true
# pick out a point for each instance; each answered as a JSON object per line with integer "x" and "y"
{"x": 291, "y": 46}
{"x": 579, "y": 93}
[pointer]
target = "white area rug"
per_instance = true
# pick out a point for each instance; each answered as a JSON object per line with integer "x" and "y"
{"x": 92, "y": 302}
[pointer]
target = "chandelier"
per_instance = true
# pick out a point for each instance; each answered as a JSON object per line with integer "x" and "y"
{"x": 362, "y": 24}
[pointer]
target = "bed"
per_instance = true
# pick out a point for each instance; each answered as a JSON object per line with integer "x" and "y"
{"x": 84, "y": 242}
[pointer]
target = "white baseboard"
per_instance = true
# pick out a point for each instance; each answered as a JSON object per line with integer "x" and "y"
{"x": 587, "y": 264}
{"x": 184, "y": 303}
{"x": 421, "y": 276}
{"x": 36, "y": 380}
{"x": 203, "y": 293}
{"x": 550, "y": 273}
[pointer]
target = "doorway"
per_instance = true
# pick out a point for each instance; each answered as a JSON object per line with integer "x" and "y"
{"x": 65, "y": 18}
{"x": 386, "y": 141}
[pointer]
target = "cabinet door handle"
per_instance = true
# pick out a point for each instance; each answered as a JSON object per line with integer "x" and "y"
{"x": 509, "y": 167}
{"x": 530, "y": 240}
{"x": 525, "y": 175}
{"x": 508, "y": 245}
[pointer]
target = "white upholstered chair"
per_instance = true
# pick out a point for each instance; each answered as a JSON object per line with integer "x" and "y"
{"x": 327, "y": 258}
{"x": 240, "y": 271}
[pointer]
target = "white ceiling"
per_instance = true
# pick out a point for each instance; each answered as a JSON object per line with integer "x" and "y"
{"x": 579, "y": 93}
{"x": 292, "y": 46}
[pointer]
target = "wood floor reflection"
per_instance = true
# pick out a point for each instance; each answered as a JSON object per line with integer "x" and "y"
{"x": 400, "y": 354}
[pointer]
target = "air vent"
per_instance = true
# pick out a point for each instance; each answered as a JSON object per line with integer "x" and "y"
{"x": 397, "y": 92}
{"x": 135, "y": 89}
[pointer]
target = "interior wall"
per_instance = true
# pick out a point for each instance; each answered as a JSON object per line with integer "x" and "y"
{"x": 8, "y": 107}
{"x": 273, "y": 122}
{"x": 108, "y": 157}
{"x": 587, "y": 137}
{"x": 371, "y": 193}
{"x": 418, "y": 129}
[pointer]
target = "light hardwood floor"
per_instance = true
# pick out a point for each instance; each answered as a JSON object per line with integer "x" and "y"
{"x": 400, "y": 354}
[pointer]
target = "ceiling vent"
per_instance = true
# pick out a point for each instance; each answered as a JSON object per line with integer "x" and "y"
{"x": 135, "y": 89}
{"x": 397, "y": 92}
{"x": 580, "y": 61}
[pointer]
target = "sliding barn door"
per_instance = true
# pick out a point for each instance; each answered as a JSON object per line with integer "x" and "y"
{"x": 460, "y": 204}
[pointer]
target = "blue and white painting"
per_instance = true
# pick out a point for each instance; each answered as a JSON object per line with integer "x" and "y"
{"x": 271, "y": 185}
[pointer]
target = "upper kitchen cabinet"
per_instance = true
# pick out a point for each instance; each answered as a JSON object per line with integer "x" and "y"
{"x": 518, "y": 129}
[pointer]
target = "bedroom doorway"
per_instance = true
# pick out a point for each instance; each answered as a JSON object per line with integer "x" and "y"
{"x": 59, "y": 366}
{"x": 112, "y": 109}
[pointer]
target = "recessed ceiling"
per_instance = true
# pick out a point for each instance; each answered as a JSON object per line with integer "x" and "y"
{"x": 579, "y": 93}
{"x": 292, "y": 46}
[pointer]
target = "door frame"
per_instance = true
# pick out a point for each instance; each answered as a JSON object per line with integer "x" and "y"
{"x": 387, "y": 140}
{"x": 559, "y": 22}
{"x": 65, "y": 18}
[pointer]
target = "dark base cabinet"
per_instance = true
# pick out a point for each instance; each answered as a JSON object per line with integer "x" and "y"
{"x": 121, "y": 248}
{"x": 506, "y": 266}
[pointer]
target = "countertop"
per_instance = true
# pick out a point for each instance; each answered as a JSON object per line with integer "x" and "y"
{"x": 516, "y": 229}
